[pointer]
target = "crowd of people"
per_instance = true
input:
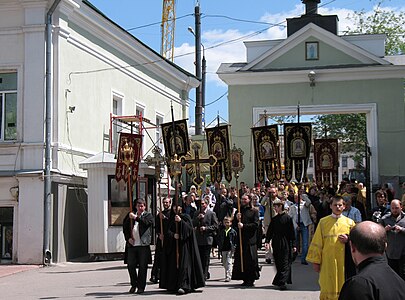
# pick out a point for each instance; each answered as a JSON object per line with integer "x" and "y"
{"x": 315, "y": 224}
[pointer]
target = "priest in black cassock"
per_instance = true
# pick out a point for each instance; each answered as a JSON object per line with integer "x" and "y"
{"x": 180, "y": 270}
{"x": 282, "y": 236}
{"x": 247, "y": 220}
{"x": 162, "y": 222}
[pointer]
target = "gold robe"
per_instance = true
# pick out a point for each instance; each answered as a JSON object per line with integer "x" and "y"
{"x": 329, "y": 252}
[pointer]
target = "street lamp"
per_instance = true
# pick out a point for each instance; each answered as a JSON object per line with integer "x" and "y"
{"x": 201, "y": 92}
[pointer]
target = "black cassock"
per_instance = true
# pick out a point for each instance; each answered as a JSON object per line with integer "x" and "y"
{"x": 251, "y": 271}
{"x": 155, "y": 273}
{"x": 282, "y": 236}
{"x": 189, "y": 275}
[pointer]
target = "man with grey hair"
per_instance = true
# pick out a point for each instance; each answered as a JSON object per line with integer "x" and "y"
{"x": 394, "y": 225}
{"x": 375, "y": 280}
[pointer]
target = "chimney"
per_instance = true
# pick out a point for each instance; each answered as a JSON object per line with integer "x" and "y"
{"x": 311, "y": 7}
{"x": 329, "y": 23}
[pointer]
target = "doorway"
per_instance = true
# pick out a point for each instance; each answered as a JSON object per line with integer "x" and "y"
{"x": 6, "y": 234}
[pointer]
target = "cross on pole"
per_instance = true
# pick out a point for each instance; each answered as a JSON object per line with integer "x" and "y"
{"x": 238, "y": 166}
{"x": 157, "y": 160}
{"x": 197, "y": 160}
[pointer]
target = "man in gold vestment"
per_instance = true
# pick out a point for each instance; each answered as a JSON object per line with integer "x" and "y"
{"x": 327, "y": 250}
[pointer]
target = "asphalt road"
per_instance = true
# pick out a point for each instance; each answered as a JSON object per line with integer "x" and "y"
{"x": 109, "y": 280}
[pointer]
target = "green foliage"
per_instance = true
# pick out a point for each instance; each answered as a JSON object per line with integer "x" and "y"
{"x": 349, "y": 129}
{"x": 381, "y": 21}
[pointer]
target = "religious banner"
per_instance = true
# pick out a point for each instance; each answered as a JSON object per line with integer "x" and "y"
{"x": 326, "y": 161}
{"x": 297, "y": 137}
{"x": 218, "y": 145}
{"x": 176, "y": 142}
{"x": 129, "y": 152}
{"x": 267, "y": 154}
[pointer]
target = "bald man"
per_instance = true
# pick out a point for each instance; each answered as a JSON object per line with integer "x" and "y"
{"x": 375, "y": 280}
{"x": 394, "y": 225}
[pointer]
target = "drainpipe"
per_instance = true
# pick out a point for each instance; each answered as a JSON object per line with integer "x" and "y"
{"x": 48, "y": 114}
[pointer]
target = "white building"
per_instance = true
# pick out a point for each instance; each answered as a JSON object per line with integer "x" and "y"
{"x": 95, "y": 69}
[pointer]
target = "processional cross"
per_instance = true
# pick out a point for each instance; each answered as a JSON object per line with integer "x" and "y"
{"x": 157, "y": 160}
{"x": 238, "y": 166}
{"x": 197, "y": 160}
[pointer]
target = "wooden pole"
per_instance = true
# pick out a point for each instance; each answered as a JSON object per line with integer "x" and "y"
{"x": 161, "y": 209}
{"x": 129, "y": 182}
{"x": 240, "y": 229}
{"x": 177, "y": 224}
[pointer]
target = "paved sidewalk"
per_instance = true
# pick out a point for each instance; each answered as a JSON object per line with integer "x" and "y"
{"x": 95, "y": 280}
{"x": 6, "y": 270}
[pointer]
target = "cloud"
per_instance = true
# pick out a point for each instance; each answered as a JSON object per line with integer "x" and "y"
{"x": 224, "y": 46}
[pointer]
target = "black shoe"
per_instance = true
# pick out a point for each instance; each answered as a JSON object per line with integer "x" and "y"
{"x": 304, "y": 263}
{"x": 140, "y": 291}
{"x": 208, "y": 275}
{"x": 153, "y": 280}
{"x": 132, "y": 290}
{"x": 268, "y": 260}
{"x": 282, "y": 287}
{"x": 248, "y": 283}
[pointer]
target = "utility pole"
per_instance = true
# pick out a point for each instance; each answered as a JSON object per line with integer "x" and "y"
{"x": 198, "y": 102}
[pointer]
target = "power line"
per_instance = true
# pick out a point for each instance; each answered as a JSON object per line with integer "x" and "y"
{"x": 157, "y": 23}
{"x": 216, "y": 100}
{"x": 239, "y": 20}
{"x": 189, "y": 53}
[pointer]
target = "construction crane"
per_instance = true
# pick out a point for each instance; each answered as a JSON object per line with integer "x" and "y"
{"x": 168, "y": 27}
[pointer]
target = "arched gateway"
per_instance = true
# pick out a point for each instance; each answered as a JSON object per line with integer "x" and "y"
{"x": 326, "y": 74}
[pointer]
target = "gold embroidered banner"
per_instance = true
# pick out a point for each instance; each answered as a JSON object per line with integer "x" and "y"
{"x": 326, "y": 162}
{"x": 267, "y": 154}
{"x": 219, "y": 146}
{"x": 297, "y": 137}
{"x": 176, "y": 142}
{"x": 129, "y": 152}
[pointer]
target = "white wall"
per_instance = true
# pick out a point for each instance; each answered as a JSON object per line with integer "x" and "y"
{"x": 30, "y": 220}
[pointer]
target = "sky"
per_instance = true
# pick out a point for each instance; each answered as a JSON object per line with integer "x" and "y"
{"x": 225, "y": 24}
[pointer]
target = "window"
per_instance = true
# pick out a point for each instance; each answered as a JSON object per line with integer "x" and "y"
{"x": 116, "y": 111}
{"x": 311, "y": 163}
{"x": 8, "y": 106}
{"x": 344, "y": 161}
{"x": 140, "y": 111}
{"x": 118, "y": 201}
{"x": 159, "y": 143}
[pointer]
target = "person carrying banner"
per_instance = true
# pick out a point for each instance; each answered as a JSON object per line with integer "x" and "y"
{"x": 161, "y": 222}
{"x": 138, "y": 240}
{"x": 181, "y": 269}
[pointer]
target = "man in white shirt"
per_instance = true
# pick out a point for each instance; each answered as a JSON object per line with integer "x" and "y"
{"x": 138, "y": 235}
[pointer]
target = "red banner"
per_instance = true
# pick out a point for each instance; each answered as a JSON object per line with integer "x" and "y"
{"x": 129, "y": 152}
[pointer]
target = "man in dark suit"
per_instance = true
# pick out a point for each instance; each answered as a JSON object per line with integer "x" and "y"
{"x": 206, "y": 226}
{"x": 137, "y": 229}
{"x": 375, "y": 279}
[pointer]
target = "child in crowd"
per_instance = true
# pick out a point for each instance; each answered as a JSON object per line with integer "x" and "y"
{"x": 226, "y": 246}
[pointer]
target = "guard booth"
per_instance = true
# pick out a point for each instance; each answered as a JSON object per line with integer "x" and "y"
{"x": 108, "y": 201}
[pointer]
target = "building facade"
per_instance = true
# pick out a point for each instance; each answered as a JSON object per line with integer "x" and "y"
{"x": 323, "y": 73}
{"x": 96, "y": 70}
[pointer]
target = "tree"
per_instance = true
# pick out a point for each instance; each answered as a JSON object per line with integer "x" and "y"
{"x": 351, "y": 129}
{"x": 381, "y": 21}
